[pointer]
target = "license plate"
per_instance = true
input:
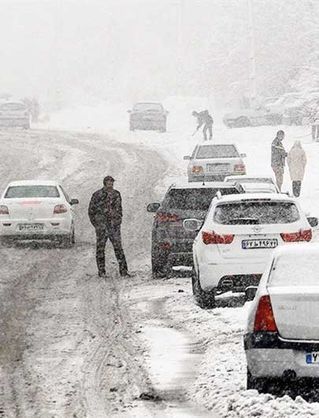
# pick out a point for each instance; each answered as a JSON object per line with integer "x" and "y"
{"x": 31, "y": 227}
{"x": 251, "y": 244}
{"x": 217, "y": 168}
{"x": 312, "y": 358}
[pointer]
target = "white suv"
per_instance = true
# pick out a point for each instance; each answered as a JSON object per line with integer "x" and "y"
{"x": 237, "y": 238}
{"x": 282, "y": 333}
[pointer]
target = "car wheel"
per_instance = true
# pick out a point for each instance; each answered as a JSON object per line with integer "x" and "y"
{"x": 262, "y": 384}
{"x": 69, "y": 240}
{"x": 159, "y": 264}
{"x": 163, "y": 129}
{"x": 242, "y": 122}
{"x": 205, "y": 300}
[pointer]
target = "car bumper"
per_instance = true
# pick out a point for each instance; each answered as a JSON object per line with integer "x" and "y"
{"x": 51, "y": 228}
{"x": 230, "y": 276}
{"x": 268, "y": 355}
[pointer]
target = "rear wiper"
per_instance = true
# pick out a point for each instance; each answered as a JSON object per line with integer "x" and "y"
{"x": 244, "y": 221}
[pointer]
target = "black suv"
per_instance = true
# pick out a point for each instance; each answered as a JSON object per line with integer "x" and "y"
{"x": 171, "y": 244}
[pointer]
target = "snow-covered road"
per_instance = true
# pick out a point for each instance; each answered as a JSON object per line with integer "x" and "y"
{"x": 76, "y": 346}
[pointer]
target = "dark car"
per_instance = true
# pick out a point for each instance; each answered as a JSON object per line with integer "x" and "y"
{"x": 171, "y": 244}
{"x": 148, "y": 116}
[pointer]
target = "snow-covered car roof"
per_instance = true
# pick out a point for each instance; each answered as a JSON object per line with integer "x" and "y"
{"x": 296, "y": 249}
{"x": 246, "y": 176}
{"x": 202, "y": 185}
{"x": 262, "y": 187}
{"x": 33, "y": 183}
{"x": 279, "y": 197}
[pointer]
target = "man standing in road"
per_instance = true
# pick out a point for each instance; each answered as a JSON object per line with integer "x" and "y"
{"x": 105, "y": 213}
{"x": 278, "y": 158}
{"x": 204, "y": 118}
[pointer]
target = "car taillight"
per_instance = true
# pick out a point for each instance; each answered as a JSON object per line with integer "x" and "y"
{"x": 264, "y": 319}
{"x": 197, "y": 169}
{"x": 60, "y": 209}
{"x": 213, "y": 238}
{"x": 166, "y": 217}
{"x": 240, "y": 168}
{"x": 302, "y": 235}
{"x": 4, "y": 210}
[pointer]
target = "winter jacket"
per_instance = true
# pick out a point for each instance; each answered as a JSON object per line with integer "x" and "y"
{"x": 204, "y": 118}
{"x": 278, "y": 154}
{"x": 105, "y": 208}
{"x": 297, "y": 161}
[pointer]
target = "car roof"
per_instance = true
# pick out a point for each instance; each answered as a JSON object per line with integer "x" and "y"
{"x": 204, "y": 143}
{"x": 256, "y": 196}
{"x": 33, "y": 183}
{"x": 150, "y": 103}
{"x": 246, "y": 176}
{"x": 203, "y": 185}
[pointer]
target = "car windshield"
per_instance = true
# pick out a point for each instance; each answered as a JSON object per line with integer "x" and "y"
{"x": 16, "y": 192}
{"x": 194, "y": 199}
{"x": 292, "y": 270}
{"x": 141, "y": 107}
{"x": 216, "y": 151}
{"x": 12, "y": 106}
{"x": 256, "y": 212}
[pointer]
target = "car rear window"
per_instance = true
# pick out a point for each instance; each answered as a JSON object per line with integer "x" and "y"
{"x": 140, "y": 107}
{"x": 194, "y": 199}
{"x": 216, "y": 151}
{"x": 31, "y": 191}
{"x": 260, "y": 212}
{"x": 291, "y": 270}
{"x": 12, "y": 106}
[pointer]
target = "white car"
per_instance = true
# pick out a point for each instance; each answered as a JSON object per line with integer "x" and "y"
{"x": 255, "y": 184}
{"x": 282, "y": 333}
{"x": 14, "y": 114}
{"x": 213, "y": 162}
{"x": 37, "y": 210}
{"x": 237, "y": 238}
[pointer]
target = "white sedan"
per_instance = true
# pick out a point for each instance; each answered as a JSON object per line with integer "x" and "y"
{"x": 282, "y": 333}
{"x": 255, "y": 184}
{"x": 37, "y": 210}
{"x": 237, "y": 238}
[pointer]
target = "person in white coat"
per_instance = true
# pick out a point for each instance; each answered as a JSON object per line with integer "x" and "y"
{"x": 297, "y": 161}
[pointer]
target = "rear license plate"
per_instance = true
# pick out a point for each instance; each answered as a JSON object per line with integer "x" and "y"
{"x": 312, "y": 358}
{"x": 31, "y": 227}
{"x": 217, "y": 168}
{"x": 251, "y": 244}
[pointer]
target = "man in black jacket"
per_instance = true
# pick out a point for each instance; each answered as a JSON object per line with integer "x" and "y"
{"x": 105, "y": 213}
{"x": 204, "y": 118}
{"x": 278, "y": 158}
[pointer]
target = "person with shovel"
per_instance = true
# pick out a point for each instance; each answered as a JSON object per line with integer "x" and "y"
{"x": 204, "y": 118}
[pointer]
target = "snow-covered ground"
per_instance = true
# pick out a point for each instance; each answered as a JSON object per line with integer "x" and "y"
{"x": 220, "y": 384}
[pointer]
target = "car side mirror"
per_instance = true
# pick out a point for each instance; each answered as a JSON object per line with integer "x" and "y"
{"x": 74, "y": 202}
{"x": 186, "y": 157}
{"x": 250, "y": 292}
{"x": 153, "y": 207}
{"x": 192, "y": 225}
{"x": 243, "y": 155}
{"x": 313, "y": 221}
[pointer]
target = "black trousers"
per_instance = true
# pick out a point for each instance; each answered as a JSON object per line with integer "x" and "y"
{"x": 296, "y": 188}
{"x": 113, "y": 233}
{"x": 208, "y": 128}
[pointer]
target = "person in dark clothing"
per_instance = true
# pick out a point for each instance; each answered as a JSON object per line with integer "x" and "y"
{"x": 278, "y": 158}
{"x": 105, "y": 213}
{"x": 204, "y": 118}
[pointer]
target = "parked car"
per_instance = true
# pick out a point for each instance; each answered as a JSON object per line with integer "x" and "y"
{"x": 255, "y": 184}
{"x": 251, "y": 117}
{"x": 290, "y": 106}
{"x": 213, "y": 162}
{"x": 37, "y": 210}
{"x": 171, "y": 244}
{"x": 148, "y": 116}
{"x": 14, "y": 114}
{"x": 239, "y": 234}
{"x": 282, "y": 333}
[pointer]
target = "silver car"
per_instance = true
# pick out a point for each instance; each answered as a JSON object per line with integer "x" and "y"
{"x": 14, "y": 114}
{"x": 213, "y": 162}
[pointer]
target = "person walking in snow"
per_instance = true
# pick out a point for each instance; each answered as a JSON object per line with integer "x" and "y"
{"x": 278, "y": 158}
{"x": 204, "y": 118}
{"x": 297, "y": 161}
{"x": 105, "y": 213}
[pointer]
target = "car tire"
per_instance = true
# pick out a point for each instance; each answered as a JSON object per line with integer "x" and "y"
{"x": 262, "y": 384}
{"x": 242, "y": 122}
{"x": 69, "y": 240}
{"x": 205, "y": 300}
{"x": 159, "y": 264}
